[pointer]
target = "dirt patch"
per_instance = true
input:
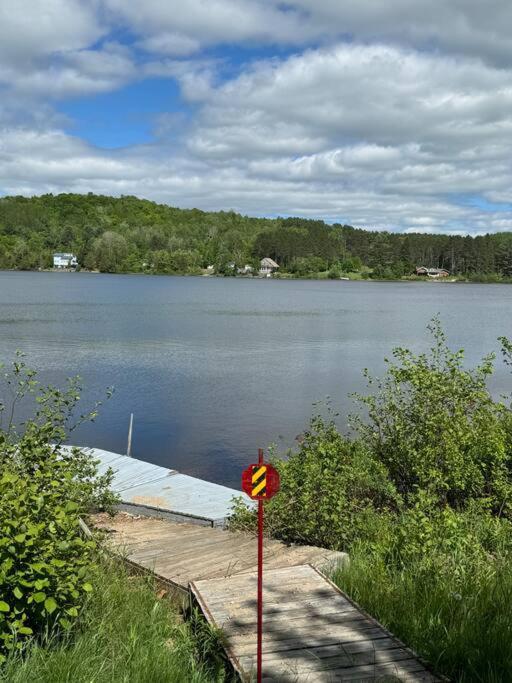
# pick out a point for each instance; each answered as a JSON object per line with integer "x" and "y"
{"x": 118, "y": 523}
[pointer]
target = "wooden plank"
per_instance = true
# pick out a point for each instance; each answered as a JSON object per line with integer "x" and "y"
{"x": 312, "y": 631}
{"x": 196, "y": 568}
{"x": 300, "y": 589}
{"x": 297, "y": 641}
{"x": 211, "y": 560}
{"x": 399, "y": 669}
{"x": 147, "y": 529}
{"x": 187, "y": 535}
{"x": 307, "y": 621}
{"x": 368, "y": 648}
{"x": 186, "y": 552}
{"x": 342, "y": 659}
{"x": 292, "y": 611}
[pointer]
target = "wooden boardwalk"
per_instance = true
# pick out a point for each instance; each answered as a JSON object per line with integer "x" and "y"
{"x": 181, "y": 553}
{"x": 312, "y": 631}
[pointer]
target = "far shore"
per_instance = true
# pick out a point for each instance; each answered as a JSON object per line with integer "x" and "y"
{"x": 348, "y": 277}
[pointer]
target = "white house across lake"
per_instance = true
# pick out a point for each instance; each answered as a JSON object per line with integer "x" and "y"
{"x": 61, "y": 260}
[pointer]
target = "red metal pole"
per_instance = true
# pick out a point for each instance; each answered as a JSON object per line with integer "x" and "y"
{"x": 260, "y": 579}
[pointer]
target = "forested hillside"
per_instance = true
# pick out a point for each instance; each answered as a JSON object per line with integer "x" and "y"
{"x": 127, "y": 234}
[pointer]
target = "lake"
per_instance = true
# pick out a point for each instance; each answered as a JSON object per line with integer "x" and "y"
{"x": 213, "y": 368}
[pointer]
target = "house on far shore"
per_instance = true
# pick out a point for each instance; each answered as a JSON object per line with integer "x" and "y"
{"x": 432, "y": 272}
{"x": 267, "y": 266}
{"x": 64, "y": 261}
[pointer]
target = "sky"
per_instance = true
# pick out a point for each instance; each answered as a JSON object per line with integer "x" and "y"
{"x": 391, "y": 115}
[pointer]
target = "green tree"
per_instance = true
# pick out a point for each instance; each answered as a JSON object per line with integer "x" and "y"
{"x": 304, "y": 265}
{"x": 108, "y": 252}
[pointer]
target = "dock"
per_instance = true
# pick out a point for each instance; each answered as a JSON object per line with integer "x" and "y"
{"x": 155, "y": 491}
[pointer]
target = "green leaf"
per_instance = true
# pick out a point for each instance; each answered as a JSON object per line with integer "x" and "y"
{"x": 4, "y": 607}
{"x": 37, "y": 566}
{"x": 17, "y": 593}
{"x": 39, "y": 597}
{"x": 25, "y": 630}
{"x": 50, "y": 605}
{"x": 87, "y": 587}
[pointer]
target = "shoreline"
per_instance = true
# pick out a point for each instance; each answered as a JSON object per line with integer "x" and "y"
{"x": 404, "y": 280}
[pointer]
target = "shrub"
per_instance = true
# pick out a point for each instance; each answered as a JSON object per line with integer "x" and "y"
{"x": 43, "y": 558}
{"x": 435, "y": 427}
{"x": 44, "y": 561}
{"x": 332, "y": 491}
{"x": 432, "y": 439}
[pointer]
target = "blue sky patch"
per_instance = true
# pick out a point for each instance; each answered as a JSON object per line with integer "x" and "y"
{"x": 126, "y": 116}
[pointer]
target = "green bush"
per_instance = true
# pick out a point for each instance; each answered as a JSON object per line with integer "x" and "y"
{"x": 332, "y": 491}
{"x": 432, "y": 438}
{"x": 44, "y": 561}
{"x": 436, "y": 428}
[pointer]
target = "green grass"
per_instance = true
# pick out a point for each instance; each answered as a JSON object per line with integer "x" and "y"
{"x": 463, "y": 627}
{"x": 126, "y": 634}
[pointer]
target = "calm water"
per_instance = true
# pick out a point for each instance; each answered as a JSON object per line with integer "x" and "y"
{"x": 213, "y": 368}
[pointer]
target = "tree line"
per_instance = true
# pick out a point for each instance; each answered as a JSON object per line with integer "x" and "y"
{"x": 128, "y": 234}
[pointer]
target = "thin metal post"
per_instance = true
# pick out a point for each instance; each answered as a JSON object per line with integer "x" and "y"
{"x": 130, "y": 429}
{"x": 260, "y": 579}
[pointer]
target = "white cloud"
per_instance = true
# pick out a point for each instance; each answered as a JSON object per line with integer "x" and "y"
{"x": 470, "y": 27}
{"x": 170, "y": 44}
{"x": 381, "y": 94}
{"x": 73, "y": 74}
{"x": 211, "y": 21}
{"x": 45, "y": 50}
{"x": 359, "y": 121}
{"x": 391, "y": 130}
{"x": 34, "y": 28}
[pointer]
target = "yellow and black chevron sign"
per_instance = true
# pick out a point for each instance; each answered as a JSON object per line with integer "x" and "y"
{"x": 259, "y": 480}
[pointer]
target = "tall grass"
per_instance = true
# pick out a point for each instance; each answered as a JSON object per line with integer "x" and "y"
{"x": 463, "y": 627}
{"x": 126, "y": 635}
